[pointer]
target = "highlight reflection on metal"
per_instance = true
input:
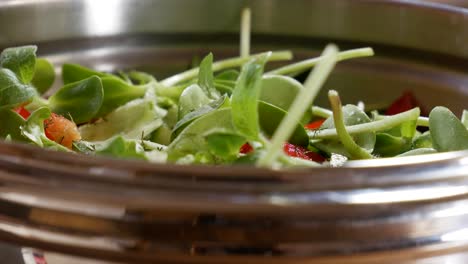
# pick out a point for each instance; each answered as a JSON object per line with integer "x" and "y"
{"x": 104, "y": 17}
{"x": 383, "y": 196}
{"x": 458, "y": 235}
{"x": 396, "y": 210}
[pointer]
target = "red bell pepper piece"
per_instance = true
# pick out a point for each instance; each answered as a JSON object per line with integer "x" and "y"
{"x": 405, "y": 102}
{"x": 301, "y": 152}
{"x": 315, "y": 124}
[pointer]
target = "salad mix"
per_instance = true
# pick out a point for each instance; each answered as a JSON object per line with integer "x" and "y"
{"x": 213, "y": 114}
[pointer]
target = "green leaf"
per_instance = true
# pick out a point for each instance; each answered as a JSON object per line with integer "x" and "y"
{"x": 205, "y": 77}
{"x": 387, "y": 145}
{"x": 119, "y": 147}
{"x": 419, "y": 151}
{"x": 224, "y": 144}
{"x": 11, "y": 123}
{"x": 225, "y": 82}
{"x": 12, "y": 91}
{"x": 249, "y": 159}
{"x": 271, "y": 116}
{"x": 423, "y": 141}
{"x": 447, "y": 132}
{"x": 191, "y": 99}
{"x": 188, "y": 118}
{"x": 84, "y": 147}
{"x": 34, "y": 126}
{"x": 228, "y": 75}
{"x": 406, "y": 129}
{"x": 20, "y": 60}
{"x": 80, "y": 100}
{"x": 464, "y": 118}
{"x": 191, "y": 140}
{"x": 281, "y": 91}
{"x": 352, "y": 115}
{"x": 141, "y": 78}
{"x": 170, "y": 119}
{"x": 44, "y": 75}
{"x": 33, "y": 130}
{"x": 72, "y": 73}
{"x": 396, "y": 140}
{"x": 124, "y": 77}
{"x": 245, "y": 97}
{"x": 117, "y": 93}
{"x": 132, "y": 120}
{"x": 162, "y": 135}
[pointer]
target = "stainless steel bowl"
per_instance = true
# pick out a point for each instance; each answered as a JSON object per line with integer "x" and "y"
{"x": 412, "y": 210}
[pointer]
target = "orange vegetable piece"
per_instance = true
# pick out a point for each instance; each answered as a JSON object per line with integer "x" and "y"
{"x": 61, "y": 130}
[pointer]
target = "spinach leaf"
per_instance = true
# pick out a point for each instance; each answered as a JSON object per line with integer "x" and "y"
{"x": 447, "y": 132}
{"x": 12, "y": 91}
{"x": 270, "y": 118}
{"x": 132, "y": 120}
{"x": 191, "y": 99}
{"x": 72, "y": 73}
{"x": 44, "y": 75}
{"x": 245, "y": 97}
{"x": 117, "y": 93}
{"x": 80, "y": 100}
{"x": 20, "y": 60}
{"x": 119, "y": 147}
{"x": 224, "y": 143}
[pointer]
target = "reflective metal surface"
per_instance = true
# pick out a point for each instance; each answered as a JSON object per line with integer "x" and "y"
{"x": 412, "y": 210}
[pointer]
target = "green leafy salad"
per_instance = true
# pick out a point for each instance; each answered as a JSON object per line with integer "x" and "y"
{"x": 225, "y": 112}
{"x": 230, "y": 111}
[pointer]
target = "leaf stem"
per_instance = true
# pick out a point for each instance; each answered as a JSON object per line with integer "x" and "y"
{"x": 325, "y": 113}
{"x": 298, "y": 67}
{"x": 354, "y": 149}
{"x": 302, "y": 101}
{"x": 422, "y": 120}
{"x": 224, "y": 64}
{"x": 245, "y": 32}
{"x": 379, "y": 125}
{"x": 321, "y": 112}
